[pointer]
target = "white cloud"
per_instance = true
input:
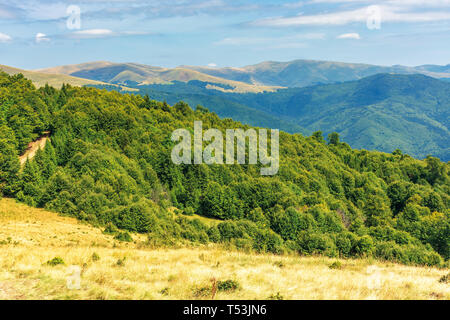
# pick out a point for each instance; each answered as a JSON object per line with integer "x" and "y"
{"x": 286, "y": 41}
{"x": 92, "y": 33}
{"x": 41, "y": 37}
{"x": 349, "y": 36}
{"x": 212, "y": 65}
{"x": 403, "y": 3}
{"x": 104, "y": 33}
{"x": 4, "y": 37}
{"x": 388, "y": 14}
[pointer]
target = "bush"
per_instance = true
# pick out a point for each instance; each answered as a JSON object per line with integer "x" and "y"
{"x": 335, "y": 265}
{"x": 189, "y": 211}
{"x": 228, "y": 285}
{"x": 315, "y": 243}
{"x": 110, "y": 229}
{"x": 364, "y": 246}
{"x": 124, "y": 236}
{"x": 445, "y": 278}
{"x": 95, "y": 257}
{"x": 276, "y": 296}
{"x": 55, "y": 261}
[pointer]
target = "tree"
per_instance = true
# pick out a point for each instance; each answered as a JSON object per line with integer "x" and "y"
{"x": 333, "y": 138}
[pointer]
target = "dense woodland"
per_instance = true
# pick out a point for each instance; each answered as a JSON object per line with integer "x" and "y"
{"x": 382, "y": 112}
{"x": 109, "y": 163}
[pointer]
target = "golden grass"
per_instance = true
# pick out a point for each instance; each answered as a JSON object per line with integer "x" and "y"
{"x": 30, "y": 237}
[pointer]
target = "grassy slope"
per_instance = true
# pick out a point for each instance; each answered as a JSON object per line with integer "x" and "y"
{"x": 143, "y": 74}
{"x": 29, "y": 237}
{"x": 55, "y": 80}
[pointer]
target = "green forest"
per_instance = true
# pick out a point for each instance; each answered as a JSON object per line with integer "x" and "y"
{"x": 108, "y": 163}
{"x": 382, "y": 112}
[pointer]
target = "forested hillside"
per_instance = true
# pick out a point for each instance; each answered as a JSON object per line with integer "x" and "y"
{"x": 382, "y": 112}
{"x": 109, "y": 163}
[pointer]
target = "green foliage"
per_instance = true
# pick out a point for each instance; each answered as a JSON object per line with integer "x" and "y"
{"x": 445, "y": 278}
{"x": 124, "y": 236}
{"x": 336, "y": 265}
{"x": 276, "y": 296}
{"x": 95, "y": 257}
{"x": 228, "y": 285}
{"x": 55, "y": 261}
{"x": 108, "y": 163}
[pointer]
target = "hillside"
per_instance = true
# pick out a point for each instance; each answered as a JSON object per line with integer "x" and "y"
{"x": 301, "y": 73}
{"x": 108, "y": 162}
{"x": 30, "y": 237}
{"x": 55, "y": 80}
{"x": 133, "y": 73}
{"x": 265, "y": 76}
{"x": 382, "y": 112}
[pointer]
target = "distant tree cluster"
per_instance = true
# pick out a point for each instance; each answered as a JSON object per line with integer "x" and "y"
{"x": 109, "y": 163}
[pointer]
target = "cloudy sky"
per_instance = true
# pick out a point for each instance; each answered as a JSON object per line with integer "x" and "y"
{"x": 43, "y": 33}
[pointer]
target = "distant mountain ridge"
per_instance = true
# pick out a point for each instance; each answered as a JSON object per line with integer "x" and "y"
{"x": 301, "y": 73}
{"x": 134, "y": 73}
{"x": 55, "y": 80}
{"x": 382, "y": 112}
{"x": 265, "y": 76}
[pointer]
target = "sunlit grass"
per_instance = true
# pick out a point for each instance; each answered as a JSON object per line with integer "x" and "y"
{"x": 30, "y": 237}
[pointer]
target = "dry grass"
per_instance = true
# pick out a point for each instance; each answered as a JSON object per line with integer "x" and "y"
{"x": 30, "y": 237}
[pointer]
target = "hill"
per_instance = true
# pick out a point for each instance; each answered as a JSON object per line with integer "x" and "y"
{"x": 133, "y": 73}
{"x": 30, "y": 237}
{"x": 381, "y": 112}
{"x": 108, "y": 162}
{"x": 56, "y": 80}
{"x": 301, "y": 73}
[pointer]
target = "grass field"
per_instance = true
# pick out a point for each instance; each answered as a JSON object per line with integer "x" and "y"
{"x": 109, "y": 269}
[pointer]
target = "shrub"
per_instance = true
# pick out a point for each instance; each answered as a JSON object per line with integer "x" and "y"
{"x": 121, "y": 262}
{"x": 445, "y": 278}
{"x": 276, "y": 296}
{"x": 336, "y": 265}
{"x": 124, "y": 236}
{"x": 95, "y": 257}
{"x": 228, "y": 285}
{"x": 364, "y": 246}
{"x": 110, "y": 229}
{"x": 189, "y": 211}
{"x": 214, "y": 234}
{"x": 55, "y": 261}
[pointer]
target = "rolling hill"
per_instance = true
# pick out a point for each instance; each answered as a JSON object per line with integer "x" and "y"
{"x": 54, "y": 80}
{"x": 381, "y": 112}
{"x": 133, "y": 73}
{"x": 30, "y": 237}
{"x": 300, "y": 73}
{"x": 109, "y": 162}
{"x": 265, "y": 76}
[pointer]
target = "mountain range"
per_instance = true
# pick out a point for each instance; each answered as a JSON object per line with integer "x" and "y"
{"x": 371, "y": 107}
{"x": 265, "y": 76}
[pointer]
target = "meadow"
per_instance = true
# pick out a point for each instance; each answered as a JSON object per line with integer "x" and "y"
{"x": 111, "y": 269}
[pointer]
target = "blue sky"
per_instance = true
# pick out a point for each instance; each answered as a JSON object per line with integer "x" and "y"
{"x": 36, "y": 33}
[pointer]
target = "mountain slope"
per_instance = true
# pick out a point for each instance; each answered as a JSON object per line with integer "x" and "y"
{"x": 30, "y": 237}
{"x": 133, "y": 73}
{"x": 382, "y": 112}
{"x": 300, "y": 73}
{"x": 109, "y": 162}
{"x": 54, "y": 80}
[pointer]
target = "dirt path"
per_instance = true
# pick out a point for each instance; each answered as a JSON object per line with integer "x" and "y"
{"x": 33, "y": 147}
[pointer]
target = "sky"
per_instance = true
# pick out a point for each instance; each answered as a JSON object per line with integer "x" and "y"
{"x": 223, "y": 33}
